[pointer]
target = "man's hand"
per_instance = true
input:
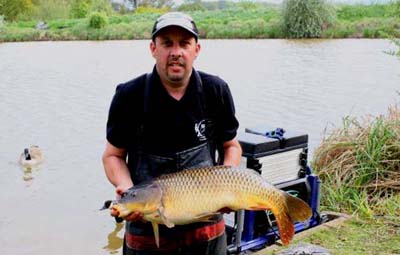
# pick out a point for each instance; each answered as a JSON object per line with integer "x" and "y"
{"x": 135, "y": 216}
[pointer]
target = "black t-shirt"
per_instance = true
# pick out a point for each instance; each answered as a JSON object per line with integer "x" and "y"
{"x": 205, "y": 111}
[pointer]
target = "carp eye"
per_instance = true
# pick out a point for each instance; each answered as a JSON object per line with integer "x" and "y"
{"x": 128, "y": 193}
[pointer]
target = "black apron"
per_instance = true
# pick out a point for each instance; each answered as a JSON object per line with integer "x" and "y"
{"x": 145, "y": 166}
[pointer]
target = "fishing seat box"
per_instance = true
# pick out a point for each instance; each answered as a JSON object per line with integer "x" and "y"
{"x": 278, "y": 160}
{"x": 280, "y": 156}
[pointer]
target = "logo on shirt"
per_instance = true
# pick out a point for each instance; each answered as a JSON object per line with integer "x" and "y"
{"x": 200, "y": 129}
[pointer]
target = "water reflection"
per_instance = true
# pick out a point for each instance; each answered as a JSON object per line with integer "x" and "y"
{"x": 114, "y": 241}
{"x": 27, "y": 174}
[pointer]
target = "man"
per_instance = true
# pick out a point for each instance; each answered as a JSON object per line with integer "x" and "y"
{"x": 172, "y": 119}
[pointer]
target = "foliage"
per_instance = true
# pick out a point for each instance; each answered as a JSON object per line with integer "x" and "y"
{"x": 354, "y": 236}
{"x": 156, "y": 3}
{"x": 358, "y": 11}
{"x": 101, "y": 6}
{"x": 14, "y": 9}
{"x": 218, "y": 5}
{"x": 149, "y": 9}
{"x": 187, "y": 7}
{"x": 396, "y": 8}
{"x": 49, "y": 10}
{"x": 306, "y": 18}
{"x": 98, "y": 20}
{"x": 237, "y": 20}
{"x": 359, "y": 165}
{"x": 2, "y": 22}
{"x": 79, "y": 8}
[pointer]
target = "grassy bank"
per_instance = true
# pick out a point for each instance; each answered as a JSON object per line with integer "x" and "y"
{"x": 359, "y": 166}
{"x": 237, "y": 21}
{"x": 356, "y": 237}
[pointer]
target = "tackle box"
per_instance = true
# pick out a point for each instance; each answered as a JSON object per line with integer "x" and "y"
{"x": 279, "y": 155}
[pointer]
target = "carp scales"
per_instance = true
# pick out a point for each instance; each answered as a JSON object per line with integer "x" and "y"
{"x": 196, "y": 195}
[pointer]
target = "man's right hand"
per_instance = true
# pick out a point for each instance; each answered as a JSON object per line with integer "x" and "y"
{"x": 135, "y": 216}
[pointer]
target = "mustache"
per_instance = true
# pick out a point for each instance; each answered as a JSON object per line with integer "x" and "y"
{"x": 176, "y": 60}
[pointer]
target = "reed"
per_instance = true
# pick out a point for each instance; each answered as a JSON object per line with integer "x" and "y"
{"x": 359, "y": 165}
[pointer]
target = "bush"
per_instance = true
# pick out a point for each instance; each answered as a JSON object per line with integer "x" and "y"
{"x": 101, "y": 6}
{"x": 149, "y": 9}
{"x": 47, "y": 10}
{"x": 2, "y": 23}
{"x": 98, "y": 20}
{"x": 191, "y": 7}
{"x": 13, "y": 9}
{"x": 306, "y": 18}
{"x": 79, "y": 9}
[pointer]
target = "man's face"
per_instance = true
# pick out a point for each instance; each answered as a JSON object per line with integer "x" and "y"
{"x": 174, "y": 50}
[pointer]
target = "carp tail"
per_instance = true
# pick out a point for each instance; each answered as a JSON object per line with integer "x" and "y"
{"x": 293, "y": 210}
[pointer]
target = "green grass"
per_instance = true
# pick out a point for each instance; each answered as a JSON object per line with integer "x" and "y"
{"x": 359, "y": 12}
{"x": 359, "y": 165}
{"x": 238, "y": 21}
{"x": 354, "y": 237}
{"x": 359, "y": 168}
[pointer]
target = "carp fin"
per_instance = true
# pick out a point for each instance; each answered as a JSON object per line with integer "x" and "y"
{"x": 258, "y": 208}
{"x": 298, "y": 209}
{"x": 294, "y": 210}
{"x": 165, "y": 220}
{"x": 207, "y": 217}
{"x": 156, "y": 233}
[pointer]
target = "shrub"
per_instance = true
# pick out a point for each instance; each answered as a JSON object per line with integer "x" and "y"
{"x": 101, "y": 6}
{"x": 79, "y": 9}
{"x": 306, "y": 18}
{"x": 13, "y": 9}
{"x": 49, "y": 10}
{"x": 149, "y": 9}
{"x": 2, "y": 23}
{"x": 98, "y": 20}
{"x": 191, "y": 7}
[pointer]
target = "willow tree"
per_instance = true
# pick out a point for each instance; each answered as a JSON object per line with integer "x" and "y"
{"x": 306, "y": 18}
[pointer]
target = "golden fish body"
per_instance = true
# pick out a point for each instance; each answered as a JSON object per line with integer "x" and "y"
{"x": 197, "y": 195}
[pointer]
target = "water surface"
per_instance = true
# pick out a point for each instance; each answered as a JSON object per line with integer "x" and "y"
{"x": 56, "y": 95}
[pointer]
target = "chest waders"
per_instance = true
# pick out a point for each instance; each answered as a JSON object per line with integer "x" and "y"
{"x": 197, "y": 238}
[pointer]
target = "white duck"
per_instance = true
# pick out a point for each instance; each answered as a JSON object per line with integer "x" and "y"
{"x": 31, "y": 157}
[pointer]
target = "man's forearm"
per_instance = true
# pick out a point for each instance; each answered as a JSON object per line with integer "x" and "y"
{"x": 232, "y": 153}
{"x": 117, "y": 171}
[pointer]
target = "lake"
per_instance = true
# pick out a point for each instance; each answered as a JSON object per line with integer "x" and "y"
{"x": 56, "y": 95}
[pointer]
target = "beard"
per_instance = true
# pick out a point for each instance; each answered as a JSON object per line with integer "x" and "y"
{"x": 176, "y": 71}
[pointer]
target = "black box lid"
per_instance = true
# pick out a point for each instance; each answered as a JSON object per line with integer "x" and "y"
{"x": 255, "y": 144}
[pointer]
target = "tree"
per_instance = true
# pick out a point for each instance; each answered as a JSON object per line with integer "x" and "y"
{"x": 12, "y": 9}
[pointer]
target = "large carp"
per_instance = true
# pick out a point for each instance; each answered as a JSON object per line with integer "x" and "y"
{"x": 196, "y": 195}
